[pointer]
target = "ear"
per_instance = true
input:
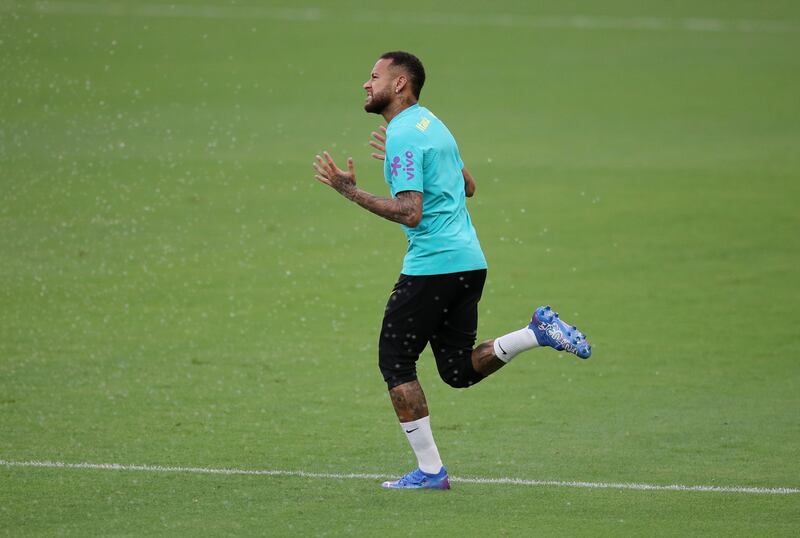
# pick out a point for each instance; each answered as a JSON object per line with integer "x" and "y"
{"x": 400, "y": 83}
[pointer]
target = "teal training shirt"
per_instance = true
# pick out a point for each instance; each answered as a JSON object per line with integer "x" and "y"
{"x": 422, "y": 156}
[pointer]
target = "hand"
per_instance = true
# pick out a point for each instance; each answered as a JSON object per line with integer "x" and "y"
{"x": 334, "y": 177}
{"x": 379, "y": 143}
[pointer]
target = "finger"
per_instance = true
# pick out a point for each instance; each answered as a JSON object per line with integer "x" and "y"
{"x": 378, "y": 137}
{"x": 379, "y": 156}
{"x": 382, "y": 128}
{"x": 329, "y": 159}
{"x": 377, "y": 146}
{"x": 351, "y": 167}
{"x": 323, "y": 180}
{"x": 321, "y": 166}
{"x": 326, "y": 161}
{"x": 320, "y": 171}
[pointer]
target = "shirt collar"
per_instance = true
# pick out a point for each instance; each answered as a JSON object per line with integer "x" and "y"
{"x": 408, "y": 110}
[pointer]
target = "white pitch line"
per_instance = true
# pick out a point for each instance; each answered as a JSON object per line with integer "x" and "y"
{"x": 310, "y": 14}
{"x": 346, "y": 476}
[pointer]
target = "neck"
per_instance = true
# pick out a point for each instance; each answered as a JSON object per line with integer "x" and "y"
{"x": 397, "y": 106}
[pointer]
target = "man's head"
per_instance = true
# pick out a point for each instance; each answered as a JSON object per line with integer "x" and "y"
{"x": 395, "y": 75}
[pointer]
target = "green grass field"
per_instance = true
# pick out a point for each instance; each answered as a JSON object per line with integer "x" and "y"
{"x": 177, "y": 290}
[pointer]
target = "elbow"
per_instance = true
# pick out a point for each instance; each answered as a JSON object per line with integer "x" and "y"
{"x": 413, "y": 219}
{"x": 408, "y": 208}
{"x": 469, "y": 183}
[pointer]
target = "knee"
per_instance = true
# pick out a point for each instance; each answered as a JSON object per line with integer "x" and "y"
{"x": 396, "y": 372}
{"x": 459, "y": 374}
{"x": 458, "y": 383}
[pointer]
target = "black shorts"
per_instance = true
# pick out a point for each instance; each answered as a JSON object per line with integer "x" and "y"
{"x": 440, "y": 309}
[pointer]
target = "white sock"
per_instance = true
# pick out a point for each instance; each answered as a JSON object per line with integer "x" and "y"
{"x": 421, "y": 439}
{"x": 508, "y": 346}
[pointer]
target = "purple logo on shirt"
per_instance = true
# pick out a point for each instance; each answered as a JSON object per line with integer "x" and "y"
{"x": 396, "y": 166}
{"x": 409, "y": 169}
{"x": 409, "y": 165}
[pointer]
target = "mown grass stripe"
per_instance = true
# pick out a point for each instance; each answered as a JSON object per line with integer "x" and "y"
{"x": 574, "y": 22}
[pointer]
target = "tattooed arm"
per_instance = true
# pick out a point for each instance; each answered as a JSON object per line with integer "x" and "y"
{"x": 406, "y": 208}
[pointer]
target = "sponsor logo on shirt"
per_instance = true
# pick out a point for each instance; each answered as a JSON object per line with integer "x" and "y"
{"x": 396, "y": 166}
{"x": 407, "y": 166}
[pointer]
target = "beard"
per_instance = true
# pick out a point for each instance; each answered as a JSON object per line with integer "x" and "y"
{"x": 378, "y": 103}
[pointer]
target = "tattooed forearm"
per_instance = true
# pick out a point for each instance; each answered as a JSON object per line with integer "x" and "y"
{"x": 406, "y": 208}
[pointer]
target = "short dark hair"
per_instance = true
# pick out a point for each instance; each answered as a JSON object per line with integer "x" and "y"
{"x": 412, "y": 65}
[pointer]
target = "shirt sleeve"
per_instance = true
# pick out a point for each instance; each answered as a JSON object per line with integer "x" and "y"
{"x": 403, "y": 167}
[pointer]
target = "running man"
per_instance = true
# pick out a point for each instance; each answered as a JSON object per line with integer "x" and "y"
{"x": 435, "y": 300}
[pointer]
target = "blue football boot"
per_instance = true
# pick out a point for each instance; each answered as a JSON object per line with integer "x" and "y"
{"x": 416, "y": 479}
{"x": 551, "y": 331}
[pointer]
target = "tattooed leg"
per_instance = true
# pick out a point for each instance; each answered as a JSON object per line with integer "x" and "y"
{"x": 409, "y": 401}
{"x": 484, "y": 360}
